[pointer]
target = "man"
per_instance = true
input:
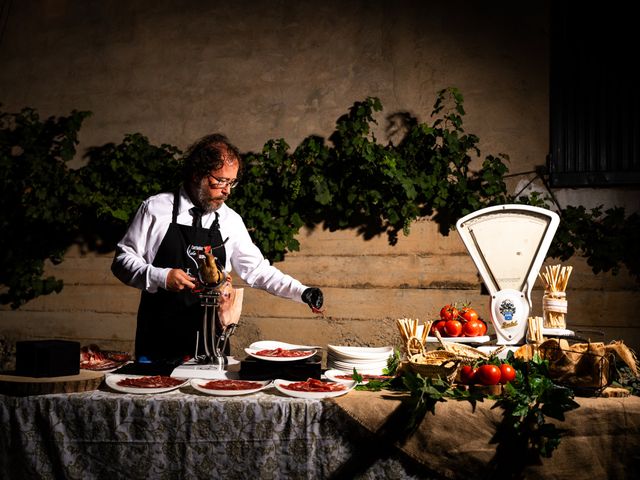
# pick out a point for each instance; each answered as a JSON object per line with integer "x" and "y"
{"x": 156, "y": 253}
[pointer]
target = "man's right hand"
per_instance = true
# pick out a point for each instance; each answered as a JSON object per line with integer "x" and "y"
{"x": 178, "y": 280}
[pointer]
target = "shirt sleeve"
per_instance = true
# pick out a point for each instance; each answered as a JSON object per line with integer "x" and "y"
{"x": 250, "y": 265}
{"x": 134, "y": 253}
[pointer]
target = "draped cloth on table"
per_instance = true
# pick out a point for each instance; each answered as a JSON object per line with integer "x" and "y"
{"x": 602, "y": 439}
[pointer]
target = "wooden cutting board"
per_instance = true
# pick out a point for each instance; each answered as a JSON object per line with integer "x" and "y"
{"x": 11, "y": 384}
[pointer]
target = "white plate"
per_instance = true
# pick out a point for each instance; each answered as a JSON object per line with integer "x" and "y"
{"x": 356, "y": 363}
{"x": 198, "y": 384}
{"x": 113, "y": 379}
{"x": 369, "y": 371}
{"x": 349, "y": 366}
{"x": 560, "y": 332}
{"x": 334, "y": 376}
{"x": 273, "y": 344}
{"x": 104, "y": 370}
{"x": 482, "y": 339}
{"x": 279, "y": 384}
{"x": 360, "y": 353}
{"x": 253, "y": 351}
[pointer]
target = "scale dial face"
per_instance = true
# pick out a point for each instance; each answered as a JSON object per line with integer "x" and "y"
{"x": 506, "y": 246}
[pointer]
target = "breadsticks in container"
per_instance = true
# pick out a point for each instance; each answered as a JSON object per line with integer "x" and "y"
{"x": 554, "y": 301}
{"x": 411, "y": 338}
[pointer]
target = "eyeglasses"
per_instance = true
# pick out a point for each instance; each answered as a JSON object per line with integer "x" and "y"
{"x": 215, "y": 182}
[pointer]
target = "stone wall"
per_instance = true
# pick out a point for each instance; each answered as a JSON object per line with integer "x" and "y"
{"x": 367, "y": 285}
{"x": 174, "y": 71}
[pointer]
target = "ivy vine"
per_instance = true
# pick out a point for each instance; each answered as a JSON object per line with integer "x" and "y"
{"x": 348, "y": 181}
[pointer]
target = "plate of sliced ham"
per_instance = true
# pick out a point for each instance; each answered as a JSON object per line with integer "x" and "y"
{"x": 144, "y": 384}
{"x": 313, "y": 388}
{"x": 92, "y": 357}
{"x": 347, "y": 377}
{"x": 281, "y": 354}
{"x": 262, "y": 344}
{"x": 229, "y": 387}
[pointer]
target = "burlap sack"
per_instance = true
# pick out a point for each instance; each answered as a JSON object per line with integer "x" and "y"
{"x": 585, "y": 365}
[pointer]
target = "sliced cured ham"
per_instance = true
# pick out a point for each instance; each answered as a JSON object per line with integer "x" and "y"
{"x": 231, "y": 385}
{"x": 155, "y": 381}
{"x": 365, "y": 377}
{"x": 93, "y": 358}
{"x": 314, "y": 385}
{"x": 282, "y": 352}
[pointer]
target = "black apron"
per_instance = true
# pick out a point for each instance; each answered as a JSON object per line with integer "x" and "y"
{"x": 168, "y": 322}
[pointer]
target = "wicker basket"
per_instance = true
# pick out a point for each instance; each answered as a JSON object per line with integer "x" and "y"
{"x": 436, "y": 363}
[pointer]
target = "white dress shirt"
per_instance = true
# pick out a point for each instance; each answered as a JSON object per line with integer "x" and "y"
{"x": 137, "y": 249}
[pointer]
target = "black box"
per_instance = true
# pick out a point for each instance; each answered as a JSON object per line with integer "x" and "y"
{"x": 47, "y": 358}
{"x": 297, "y": 370}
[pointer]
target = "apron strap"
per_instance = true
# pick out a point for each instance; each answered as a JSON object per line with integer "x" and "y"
{"x": 215, "y": 225}
{"x": 176, "y": 204}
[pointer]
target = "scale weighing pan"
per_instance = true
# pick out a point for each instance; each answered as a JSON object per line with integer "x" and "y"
{"x": 508, "y": 244}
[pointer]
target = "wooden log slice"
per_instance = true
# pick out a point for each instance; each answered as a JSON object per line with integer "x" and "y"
{"x": 16, "y": 385}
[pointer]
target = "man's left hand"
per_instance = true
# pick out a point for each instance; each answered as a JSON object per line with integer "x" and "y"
{"x": 313, "y": 297}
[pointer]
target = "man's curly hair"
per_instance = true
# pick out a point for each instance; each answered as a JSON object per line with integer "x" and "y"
{"x": 209, "y": 154}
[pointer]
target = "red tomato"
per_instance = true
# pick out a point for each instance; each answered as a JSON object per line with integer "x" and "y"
{"x": 453, "y": 328}
{"x": 483, "y": 331}
{"x": 473, "y": 328}
{"x": 488, "y": 374}
{"x": 507, "y": 373}
{"x": 467, "y": 374}
{"x": 449, "y": 312}
{"x": 439, "y": 326}
{"x": 468, "y": 314}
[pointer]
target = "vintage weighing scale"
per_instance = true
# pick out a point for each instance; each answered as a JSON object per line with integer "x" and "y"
{"x": 508, "y": 244}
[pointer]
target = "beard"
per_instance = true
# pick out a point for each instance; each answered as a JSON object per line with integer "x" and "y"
{"x": 207, "y": 201}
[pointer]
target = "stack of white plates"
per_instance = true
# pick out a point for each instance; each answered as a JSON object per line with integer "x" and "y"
{"x": 369, "y": 360}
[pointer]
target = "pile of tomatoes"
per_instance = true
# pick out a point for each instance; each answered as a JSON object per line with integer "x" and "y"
{"x": 462, "y": 322}
{"x": 487, "y": 374}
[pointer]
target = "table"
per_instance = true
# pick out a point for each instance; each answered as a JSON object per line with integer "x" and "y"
{"x": 601, "y": 438}
{"x": 181, "y": 434}
{"x": 185, "y": 434}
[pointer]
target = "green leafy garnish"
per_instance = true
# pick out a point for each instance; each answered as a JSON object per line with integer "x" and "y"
{"x": 427, "y": 392}
{"x": 393, "y": 362}
{"x": 527, "y": 402}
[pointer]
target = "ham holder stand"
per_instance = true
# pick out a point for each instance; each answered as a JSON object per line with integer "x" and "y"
{"x": 213, "y": 362}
